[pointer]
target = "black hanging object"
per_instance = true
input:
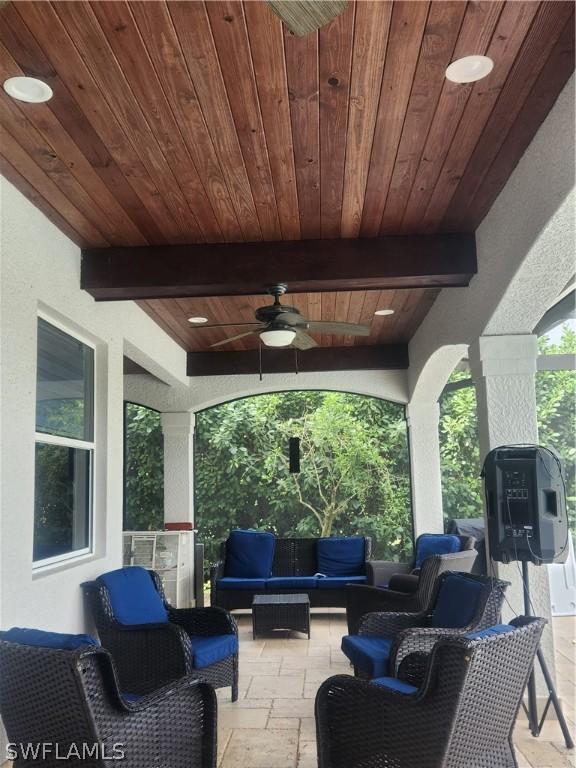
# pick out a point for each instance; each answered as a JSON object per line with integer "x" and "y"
{"x": 294, "y": 449}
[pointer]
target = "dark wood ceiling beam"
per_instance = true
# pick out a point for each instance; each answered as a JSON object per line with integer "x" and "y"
{"x": 369, "y": 358}
{"x": 237, "y": 269}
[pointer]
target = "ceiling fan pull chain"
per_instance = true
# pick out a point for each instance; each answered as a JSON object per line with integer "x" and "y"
{"x": 296, "y": 360}
{"x": 260, "y": 357}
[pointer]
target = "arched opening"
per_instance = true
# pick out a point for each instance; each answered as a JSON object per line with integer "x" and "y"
{"x": 354, "y": 473}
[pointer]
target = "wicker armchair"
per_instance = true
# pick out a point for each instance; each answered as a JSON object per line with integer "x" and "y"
{"x": 402, "y": 634}
{"x": 409, "y": 590}
{"x": 70, "y": 701}
{"x": 461, "y": 716}
{"x": 148, "y": 657}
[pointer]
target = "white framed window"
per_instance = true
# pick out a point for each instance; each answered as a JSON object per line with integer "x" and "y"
{"x": 65, "y": 446}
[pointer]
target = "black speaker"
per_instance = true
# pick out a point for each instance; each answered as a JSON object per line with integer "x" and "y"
{"x": 526, "y": 505}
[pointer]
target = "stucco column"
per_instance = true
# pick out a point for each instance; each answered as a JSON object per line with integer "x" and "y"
{"x": 422, "y": 421}
{"x": 178, "y": 429}
{"x": 504, "y": 369}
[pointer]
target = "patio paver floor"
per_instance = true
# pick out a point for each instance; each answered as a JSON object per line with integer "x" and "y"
{"x": 272, "y": 724}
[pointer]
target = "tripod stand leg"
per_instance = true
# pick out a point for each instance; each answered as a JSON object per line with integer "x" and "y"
{"x": 532, "y": 709}
{"x": 555, "y": 703}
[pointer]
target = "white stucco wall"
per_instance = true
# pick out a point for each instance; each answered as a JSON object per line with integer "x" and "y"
{"x": 39, "y": 269}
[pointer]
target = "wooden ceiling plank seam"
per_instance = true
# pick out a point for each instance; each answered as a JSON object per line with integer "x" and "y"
{"x": 382, "y": 324}
{"x": 355, "y": 306}
{"x": 551, "y": 80}
{"x": 266, "y": 42}
{"x": 163, "y": 45}
{"x": 32, "y": 60}
{"x": 230, "y": 35}
{"x": 476, "y": 33}
{"x": 301, "y": 56}
{"x": 369, "y": 306}
{"x": 538, "y": 44}
{"x": 340, "y": 314}
{"x": 158, "y": 312}
{"x": 131, "y": 52}
{"x": 100, "y": 57}
{"x": 191, "y": 23}
{"x": 335, "y": 65}
{"x": 21, "y": 161}
{"x": 45, "y": 26}
{"x": 408, "y": 24}
{"x": 371, "y": 35}
{"x": 442, "y": 30}
{"x": 196, "y": 334}
{"x": 328, "y": 315}
{"x": 21, "y": 183}
{"x": 513, "y": 26}
{"x": 56, "y": 153}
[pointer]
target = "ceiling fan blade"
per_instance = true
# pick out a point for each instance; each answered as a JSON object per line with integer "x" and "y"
{"x": 232, "y": 338}
{"x": 199, "y": 326}
{"x": 348, "y": 329}
{"x": 305, "y": 16}
{"x": 303, "y": 341}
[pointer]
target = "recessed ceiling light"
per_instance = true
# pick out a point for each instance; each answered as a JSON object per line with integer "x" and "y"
{"x": 469, "y": 69}
{"x": 28, "y": 89}
{"x": 382, "y": 312}
{"x": 198, "y": 320}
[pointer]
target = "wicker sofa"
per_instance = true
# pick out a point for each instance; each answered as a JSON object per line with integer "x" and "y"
{"x": 294, "y": 569}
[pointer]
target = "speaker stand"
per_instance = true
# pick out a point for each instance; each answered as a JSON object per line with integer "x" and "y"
{"x": 531, "y": 710}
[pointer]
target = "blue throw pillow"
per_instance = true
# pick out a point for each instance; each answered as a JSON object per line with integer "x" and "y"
{"x": 497, "y": 629}
{"x": 341, "y": 556}
{"x": 435, "y": 544}
{"x": 42, "y": 639}
{"x": 457, "y": 601}
{"x": 249, "y": 554}
{"x": 135, "y": 599}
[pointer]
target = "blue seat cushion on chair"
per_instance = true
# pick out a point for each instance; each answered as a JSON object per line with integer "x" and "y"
{"x": 457, "y": 601}
{"x": 42, "y": 639}
{"x": 229, "y": 582}
{"x": 393, "y": 684}
{"x": 435, "y": 544}
{"x": 209, "y": 650}
{"x": 249, "y": 554}
{"x": 135, "y": 599}
{"x": 497, "y": 629}
{"x": 291, "y": 582}
{"x": 339, "y": 582}
{"x": 341, "y": 556}
{"x": 370, "y": 654}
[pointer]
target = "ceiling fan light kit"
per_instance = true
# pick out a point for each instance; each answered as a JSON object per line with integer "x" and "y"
{"x": 305, "y": 16}
{"x": 277, "y": 337}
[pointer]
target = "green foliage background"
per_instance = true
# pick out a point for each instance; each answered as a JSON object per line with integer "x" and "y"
{"x": 143, "y": 470}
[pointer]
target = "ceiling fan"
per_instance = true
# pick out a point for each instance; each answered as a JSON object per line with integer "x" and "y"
{"x": 305, "y": 16}
{"x": 279, "y": 325}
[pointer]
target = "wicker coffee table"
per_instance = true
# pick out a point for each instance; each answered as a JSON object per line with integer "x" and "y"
{"x": 280, "y": 612}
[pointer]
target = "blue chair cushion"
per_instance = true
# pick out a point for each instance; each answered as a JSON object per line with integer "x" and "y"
{"x": 435, "y": 544}
{"x": 457, "y": 601}
{"x": 131, "y": 698}
{"x": 249, "y": 554}
{"x": 497, "y": 629}
{"x": 371, "y": 654}
{"x": 229, "y": 582}
{"x": 43, "y": 639}
{"x": 209, "y": 650}
{"x": 135, "y": 599}
{"x": 339, "y": 582}
{"x": 341, "y": 556}
{"x": 291, "y": 582}
{"x": 393, "y": 684}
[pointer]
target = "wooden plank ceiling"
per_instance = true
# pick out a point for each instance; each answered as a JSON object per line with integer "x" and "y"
{"x": 190, "y": 122}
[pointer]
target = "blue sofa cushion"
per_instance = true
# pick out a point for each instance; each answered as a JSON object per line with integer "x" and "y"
{"x": 393, "y": 684}
{"x": 435, "y": 544}
{"x": 249, "y": 554}
{"x": 291, "y": 582}
{"x": 341, "y": 556}
{"x": 369, "y": 653}
{"x": 43, "y": 639}
{"x": 209, "y": 650}
{"x": 497, "y": 629}
{"x": 339, "y": 582}
{"x": 229, "y": 582}
{"x": 135, "y": 600}
{"x": 457, "y": 601}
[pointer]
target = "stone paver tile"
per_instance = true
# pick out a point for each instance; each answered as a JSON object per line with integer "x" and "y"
{"x": 307, "y": 749}
{"x": 245, "y": 704}
{"x": 261, "y": 749}
{"x": 292, "y": 708}
{"x": 543, "y": 754}
{"x": 223, "y": 739}
{"x": 276, "y": 687}
{"x": 288, "y": 723}
{"x": 307, "y": 729}
{"x": 319, "y": 675}
{"x": 302, "y": 662}
{"x": 259, "y": 667}
{"x": 243, "y": 718}
{"x": 310, "y": 690}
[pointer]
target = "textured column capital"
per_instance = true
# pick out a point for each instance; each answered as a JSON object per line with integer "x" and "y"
{"x": 510, "y": 355}
{"x": 178, "y": 424}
